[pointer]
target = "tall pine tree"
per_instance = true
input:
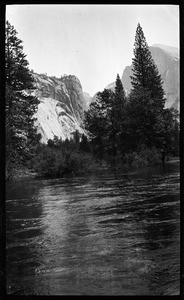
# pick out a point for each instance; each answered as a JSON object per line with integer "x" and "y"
{"x": 146, "y": 100}
{"x": 20, "y": 105}
{"x": 145, "y": 71}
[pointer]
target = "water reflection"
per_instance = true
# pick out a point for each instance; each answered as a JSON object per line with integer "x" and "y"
{"x": 23, "y": 229}
{"x": 107, "y": 234}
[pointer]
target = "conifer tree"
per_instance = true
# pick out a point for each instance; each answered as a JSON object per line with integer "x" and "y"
{"x": 20, "y": 104}
{"x": 145, "y": 72}
{"x": 115, "y": 109}
{"x": 119, "y": 111}
{"x": 119, "y": 90}
{"x": 119, "y": 102}
{"x": 95, "y": 124}
{"x": 146, "y": 100}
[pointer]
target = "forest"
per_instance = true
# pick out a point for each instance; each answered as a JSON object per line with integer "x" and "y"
{"x": 122, "y": 131}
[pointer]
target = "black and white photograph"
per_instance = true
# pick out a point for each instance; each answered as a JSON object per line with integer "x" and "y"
{"x": 92, "y": 150}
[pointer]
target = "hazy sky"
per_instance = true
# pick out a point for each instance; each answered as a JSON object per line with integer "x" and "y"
{"x": 93, "y": 42}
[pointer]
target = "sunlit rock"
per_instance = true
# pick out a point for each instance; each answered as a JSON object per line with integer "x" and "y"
{"x": 62, "y": 106}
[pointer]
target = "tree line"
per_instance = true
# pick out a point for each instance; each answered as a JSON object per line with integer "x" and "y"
{"x": 119, "y": 127}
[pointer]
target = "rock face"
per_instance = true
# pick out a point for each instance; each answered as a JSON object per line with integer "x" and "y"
{"x": 167, "y": 60}
{"x": 61, "y": 108}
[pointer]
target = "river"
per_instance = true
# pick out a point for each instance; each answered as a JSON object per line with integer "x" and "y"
{"x": 101, "y": 234}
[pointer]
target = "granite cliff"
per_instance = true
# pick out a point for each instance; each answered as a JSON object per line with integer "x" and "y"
{"x": 61, "y": 108}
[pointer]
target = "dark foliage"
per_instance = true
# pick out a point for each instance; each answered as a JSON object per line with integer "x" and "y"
{"x": 145, "y": 72}
{"x": 125, "y": 129}
{"x": 20, "y": 105}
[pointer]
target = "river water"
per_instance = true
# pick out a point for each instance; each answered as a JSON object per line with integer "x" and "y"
{"x": 105, "y": 234}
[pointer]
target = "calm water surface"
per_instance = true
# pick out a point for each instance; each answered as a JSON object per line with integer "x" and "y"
{"x": 101, "y": 234}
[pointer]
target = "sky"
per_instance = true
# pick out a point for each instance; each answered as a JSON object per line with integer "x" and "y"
{"x": 92, "y": 42}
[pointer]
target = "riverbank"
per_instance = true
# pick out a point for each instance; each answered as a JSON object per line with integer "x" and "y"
{"x": 23, "y": 173}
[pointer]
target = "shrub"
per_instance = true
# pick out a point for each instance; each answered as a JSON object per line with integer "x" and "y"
{"x": 142, "y": 158}
{"x": 51, "y": 162}
{"x": 80, "y": 162}
{"x": 152, "y": 156}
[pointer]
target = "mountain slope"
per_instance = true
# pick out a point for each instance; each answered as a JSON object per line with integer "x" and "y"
{"x": 61, "y": 108}
{"x": 172, "y": 51}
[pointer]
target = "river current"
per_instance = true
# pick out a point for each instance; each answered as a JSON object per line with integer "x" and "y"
{"x": 105, "y": 234}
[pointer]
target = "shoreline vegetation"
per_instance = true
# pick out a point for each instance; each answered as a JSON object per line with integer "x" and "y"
{"x": 22, "y": 173}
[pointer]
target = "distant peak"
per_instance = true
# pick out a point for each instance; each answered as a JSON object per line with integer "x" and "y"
{"x": 164, "y": 46}
{"x": 173, "y": 51}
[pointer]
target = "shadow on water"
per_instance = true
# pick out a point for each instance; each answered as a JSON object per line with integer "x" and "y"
{"x": 23, "y": 213}
{"x": 110, "y": 233}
